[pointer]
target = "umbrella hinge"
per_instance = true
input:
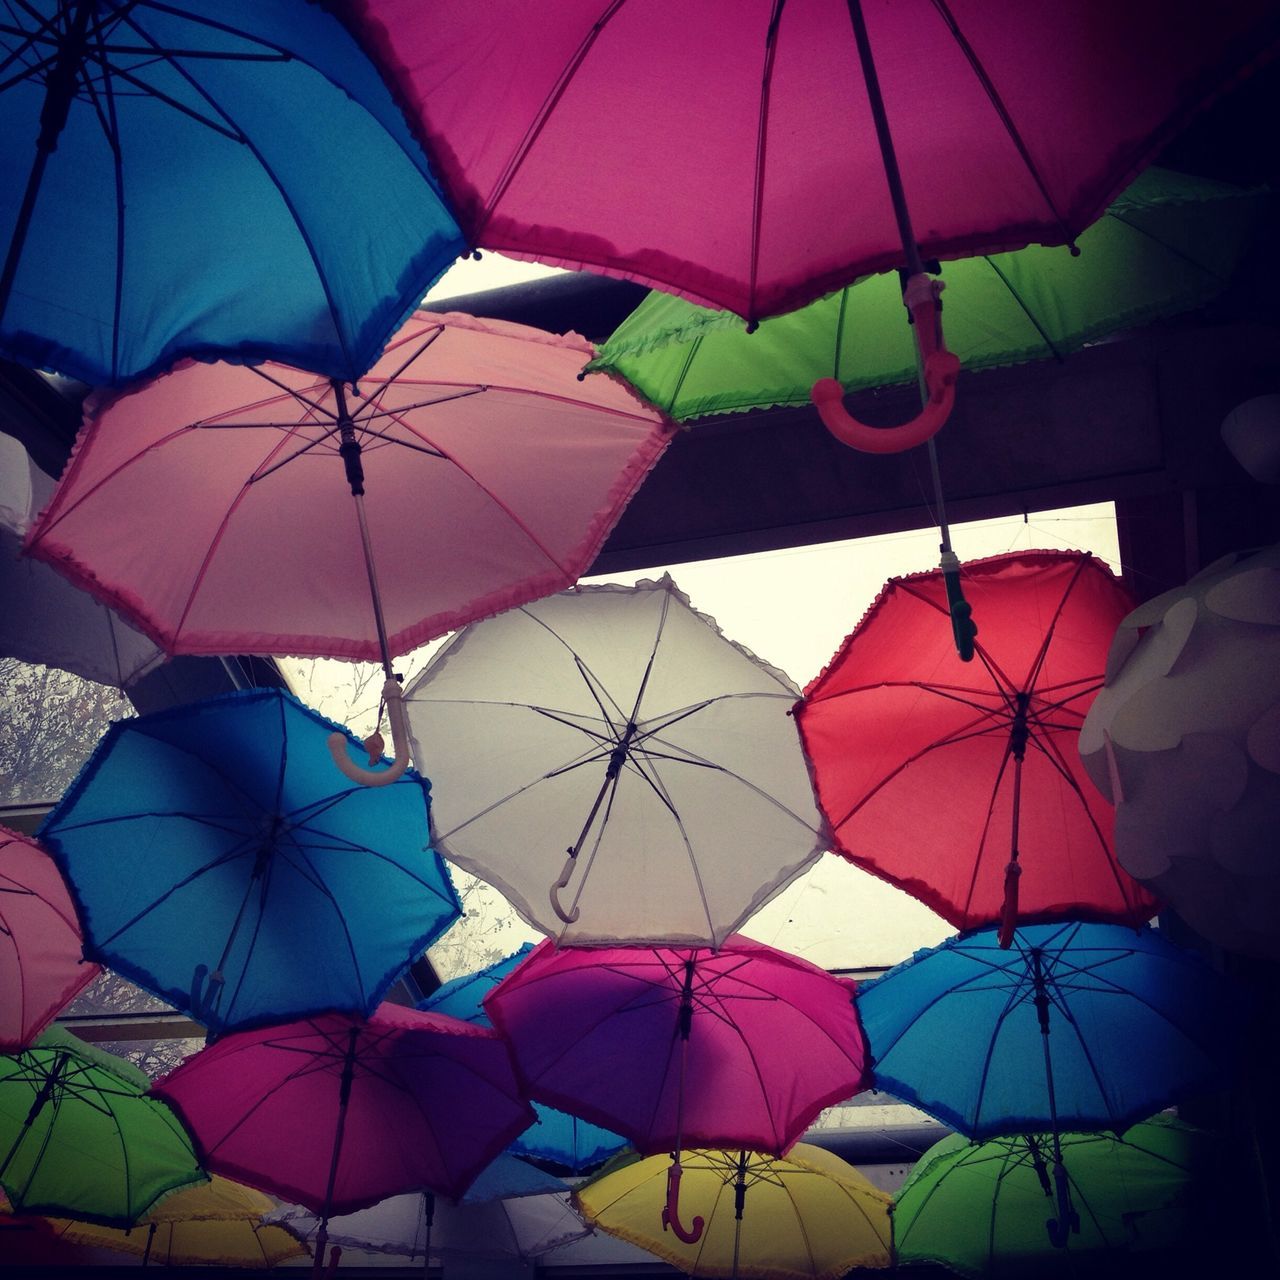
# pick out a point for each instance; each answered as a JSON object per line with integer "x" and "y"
{"x": 349, "y": 450}
{"x": 1020, "y": 730}
{"x": 60, "y": 84}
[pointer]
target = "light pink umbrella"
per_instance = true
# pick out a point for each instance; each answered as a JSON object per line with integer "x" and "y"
{"x": 211, "y": 505}
{"x": 42, "y": 963}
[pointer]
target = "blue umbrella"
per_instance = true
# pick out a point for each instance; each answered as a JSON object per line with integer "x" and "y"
{"x": 556, "y": 1138}
{"x": 1076, "y": 1026}
{"x": 201, "y": 178}
{"x": 216, "y": 862}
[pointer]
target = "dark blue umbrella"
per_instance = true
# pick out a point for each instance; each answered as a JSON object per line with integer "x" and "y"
{"x": 219, "y": 861}
{"x": 556, "y": 1138}
{"x": 1076, "y": 1026}
{"x": 201, "y": 178}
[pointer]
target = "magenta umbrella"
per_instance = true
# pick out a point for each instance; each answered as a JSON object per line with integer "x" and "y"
{"x": 337, "y": 1113}
{"x": 42, "y": 964}
{"x": 679, "y": 1047}
{"x": 212, "y": 506}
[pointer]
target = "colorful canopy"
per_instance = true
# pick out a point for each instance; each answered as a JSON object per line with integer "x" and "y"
{"x": 42, "y": 964}
{"x": 619, "y": 725}
{"x": 982, "y": 1210}
{"x": 961, "y": 782}
{"x": 46, "y": 619}
{"x": 1077, "y": 1026}
{"x": 1168, "y": 244}
{"x": 338, "y": 1112}
{"x": 218, "y": 1223}
{"x": 493, "y": 477}
{"x": 725, "y": 151}
{"x": 80, "y": 1135}
{"x": 802, "y": 1217}
{"x": 1184, "y": 739}
{"x": 220, "y": 861}
{"x": 742, "y": 1045}
{"x": 201, "y": 178}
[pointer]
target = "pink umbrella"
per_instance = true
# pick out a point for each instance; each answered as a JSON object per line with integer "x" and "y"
{"x": 42, "y": 963}
{"x": 680, "y": 1047}
{"x": 210, "y": 505}
{"x": 337, "y": 1113}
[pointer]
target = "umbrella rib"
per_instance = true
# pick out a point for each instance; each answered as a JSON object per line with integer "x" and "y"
{"x": 986, "y": 825}
{"x": 592, "y": 680}
{"x": 1038, "y": 664}
{"x": 1013, "y": 1000}
{"x": 762, "y": 127}
{"x": 327, "y": 893}
{"x": 1026, "y": 310}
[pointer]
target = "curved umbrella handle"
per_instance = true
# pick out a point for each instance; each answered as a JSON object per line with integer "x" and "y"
{"x": 394, "y": 697}
{"x": 671, "y": 1210}
{"x": 570, "y": 916}
{"x": 1009, "y": 913}
{"x": 941, "y": 369}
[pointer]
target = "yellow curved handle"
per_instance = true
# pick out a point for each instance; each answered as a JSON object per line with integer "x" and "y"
{"x": 394, "y": 697}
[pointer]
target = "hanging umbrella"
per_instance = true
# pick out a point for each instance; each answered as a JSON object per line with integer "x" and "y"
{"x": 555, "y": 1137}
{"x": 510, "y": 1231}
{"x": 80, "y": 1135}
{"x": 983, "y": 1210}
{"x": 619, "y": 725}
{"x": 337, "y": 1112}
{"x": 493, "y": 475}
{"x": 1168, "y": 244}
{"x": 1184, "y": 739}
{"x": 42, "y": 964}
{"x": 216, "y": 863}
{"x": 679, "y": 1047}
{"x": 1076, "y": 1026}
{"x": 1016, "y": 833}
{"x": 219, "y": 1223}
{"x": 46, "y": 619}
{"x": 201, "y": 177}
{"x": 801, "y": 1217}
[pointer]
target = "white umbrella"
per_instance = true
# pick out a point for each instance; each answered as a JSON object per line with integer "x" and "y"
{"x": 611, "y": 745}
{"x": 45, "y": 618}
{"x": 1184, "y": 738}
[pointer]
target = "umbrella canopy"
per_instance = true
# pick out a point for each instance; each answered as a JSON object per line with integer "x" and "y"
{"x": 493, "y": 477}
{"x": 337, "y": 1112}
{"x": 201, "y": 177}
{"x": 507, "y": 1177}
{"x": 502, "y": 1230}
{"x": 556, "y": 1137}
{"x": 619, "y": 724}
{"x": 1017, "y": 833}
{"x": 220, "y": 862}
{"x": 219, "y": 1223}
{"x": 742, "y": 1045}
{"x": 1184, "y": 739}
{"x": 42, "y": 964}
{"x": 982, "y": 1210}
{"x": 801, "y": 1217}
{"x": 80, "y": 1135}
{"x": 1168, "y": 244}
{"x": 46, "y": 619}
{"x": 1077, "y": 1026}
{"x": 735, "y": 160}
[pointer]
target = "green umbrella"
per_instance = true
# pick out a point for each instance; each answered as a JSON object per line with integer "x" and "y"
{"x": 80, "y": 1135}
{"x": 1168, "y": 244}
{"x": 988, "y": 1209}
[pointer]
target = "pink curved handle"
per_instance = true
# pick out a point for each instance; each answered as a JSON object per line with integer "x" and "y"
{"x": 941, "y": 369}
{"x": 1009, "y": 914}
{"x": 671, "y": 1210}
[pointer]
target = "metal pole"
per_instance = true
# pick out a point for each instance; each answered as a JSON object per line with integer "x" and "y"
{"x": 344, "y": 1097}
{"x": 1059, "y": 1229}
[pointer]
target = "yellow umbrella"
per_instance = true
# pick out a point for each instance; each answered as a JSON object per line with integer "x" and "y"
{"x": 217, "y": 1223}
{"x": 807, "y": 1216}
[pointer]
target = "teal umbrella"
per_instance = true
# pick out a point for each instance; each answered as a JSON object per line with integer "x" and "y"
{"x": 81, "y": 1136}
{"x": 1168, "y": 244}
{"x": 988, "y": 1209}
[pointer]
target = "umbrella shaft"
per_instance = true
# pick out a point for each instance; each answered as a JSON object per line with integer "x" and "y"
{"x": 374, "y": 593}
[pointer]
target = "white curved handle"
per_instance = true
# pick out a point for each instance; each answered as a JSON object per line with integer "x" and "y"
{"x": 394, "y": 697}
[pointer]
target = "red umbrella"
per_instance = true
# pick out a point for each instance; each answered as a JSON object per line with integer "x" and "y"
{"x": 951, "y": 780}
{"x": 679, "y": 1047}
{"x": 42, "y": 964}
{"x": 338, "y": 1113}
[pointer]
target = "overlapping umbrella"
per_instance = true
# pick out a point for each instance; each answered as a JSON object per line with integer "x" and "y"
{"x": 42, "y": 964}
{"x": 610, "y": 744}
{"x": 220, "y": 862}
{"x": 1011, "y": 830}
{"x": 204, "y": 178}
